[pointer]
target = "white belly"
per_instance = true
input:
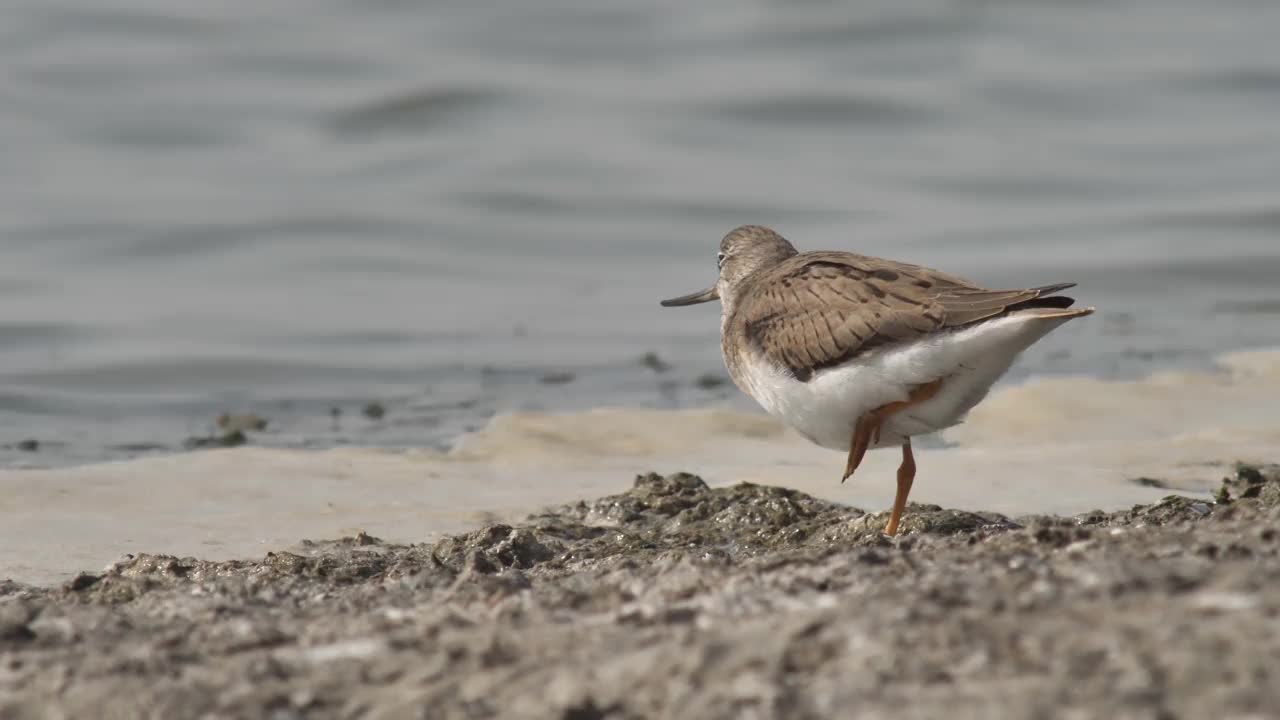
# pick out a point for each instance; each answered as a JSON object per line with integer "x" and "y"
{"x": 826, "y": 409}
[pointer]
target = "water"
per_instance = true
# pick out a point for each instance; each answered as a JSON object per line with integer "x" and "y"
{"x": 461, "y": 209}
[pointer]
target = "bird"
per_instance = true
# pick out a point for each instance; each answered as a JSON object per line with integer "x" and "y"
{"x": 856, "y": 352}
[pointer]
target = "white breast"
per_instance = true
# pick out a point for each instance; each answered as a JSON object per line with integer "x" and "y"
{"x": 826, "y": 409}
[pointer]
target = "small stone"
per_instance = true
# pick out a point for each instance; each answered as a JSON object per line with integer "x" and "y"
{"x": 247, "y": 422}
{"x": 83, "y": 581}
{"x": 235, "y": 438}
{"x": 710, "y": 381}
{"x": 654, "y": 363}
{"x": 1250, "y": 474}
{"x": 232, "y": 439}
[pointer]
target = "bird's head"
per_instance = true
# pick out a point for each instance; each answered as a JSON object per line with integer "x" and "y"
{"x": 745, "y": 251}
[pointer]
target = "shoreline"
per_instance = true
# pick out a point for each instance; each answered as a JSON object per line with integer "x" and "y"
{"x": 1056, "y": 445}
{"x": 441, "y": 418}
{"x": 674, "y": 598}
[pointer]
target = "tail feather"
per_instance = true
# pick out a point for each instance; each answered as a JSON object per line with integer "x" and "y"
{"x": 1052, "y": 313}
{"x": 1055, "y": 301}
{"x": 1045, "y": 299}
{"x": 1051, "y": 289}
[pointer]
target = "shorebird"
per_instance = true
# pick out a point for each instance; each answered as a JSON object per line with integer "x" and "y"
{"x": 857, "y": 352}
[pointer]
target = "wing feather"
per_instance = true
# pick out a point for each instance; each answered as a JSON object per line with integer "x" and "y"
{"x": 820, "y": 309}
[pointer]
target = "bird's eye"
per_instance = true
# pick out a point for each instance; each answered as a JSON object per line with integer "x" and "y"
{"x": 720, "y": 260}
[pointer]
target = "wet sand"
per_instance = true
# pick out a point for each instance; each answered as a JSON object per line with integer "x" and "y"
{"x": 674, "y": 599}
{"x": 1061, "y": 446}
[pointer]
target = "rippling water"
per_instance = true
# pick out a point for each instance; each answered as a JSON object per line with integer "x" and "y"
{"x": 457, "y": 210}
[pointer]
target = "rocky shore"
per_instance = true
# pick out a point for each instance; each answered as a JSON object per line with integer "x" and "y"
{"x": 676, "y": 600}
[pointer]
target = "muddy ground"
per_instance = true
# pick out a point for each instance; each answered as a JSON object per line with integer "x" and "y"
{"x": 675, "y": 600}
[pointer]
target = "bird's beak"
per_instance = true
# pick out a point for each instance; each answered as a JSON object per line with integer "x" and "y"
{"x": 701, "y": 296}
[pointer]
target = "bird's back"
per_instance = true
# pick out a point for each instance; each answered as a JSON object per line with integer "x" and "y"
{"x": 819, "y": 309}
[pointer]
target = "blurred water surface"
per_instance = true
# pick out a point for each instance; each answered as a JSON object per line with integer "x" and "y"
{"x": 460, "y": 208}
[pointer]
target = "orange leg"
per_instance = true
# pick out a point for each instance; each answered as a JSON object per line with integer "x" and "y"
{"x": 867, "y": 425}
{"x": 867, "y": 431}
{"x": 906, "y": 474}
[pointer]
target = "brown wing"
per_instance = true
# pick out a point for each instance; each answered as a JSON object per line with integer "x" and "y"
{"x": 820, "y": 309}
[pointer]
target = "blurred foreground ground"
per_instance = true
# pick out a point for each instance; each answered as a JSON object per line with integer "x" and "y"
{"x": 677, "y": 600}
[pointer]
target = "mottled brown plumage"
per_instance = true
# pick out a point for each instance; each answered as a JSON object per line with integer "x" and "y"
{"x": 814, "y": 310}
{"x": 819, "y": 309}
